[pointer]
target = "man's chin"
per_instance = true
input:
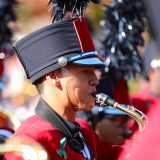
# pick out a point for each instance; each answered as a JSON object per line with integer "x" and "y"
{"x": 87, "y": 108}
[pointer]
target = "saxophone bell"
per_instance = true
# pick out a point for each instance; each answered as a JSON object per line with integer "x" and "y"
{"x": 130, "y": 110}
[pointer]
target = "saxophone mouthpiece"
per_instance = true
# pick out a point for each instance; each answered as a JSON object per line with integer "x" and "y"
{"x": 103, "y": 99}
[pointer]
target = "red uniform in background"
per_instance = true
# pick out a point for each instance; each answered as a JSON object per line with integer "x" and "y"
{"x": 148, "y": 147}
{"x": 148, "y": 100}
{"x": 144, "y": 100}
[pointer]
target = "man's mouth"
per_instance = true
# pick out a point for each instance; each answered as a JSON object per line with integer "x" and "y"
{"x": 93, "y": 95}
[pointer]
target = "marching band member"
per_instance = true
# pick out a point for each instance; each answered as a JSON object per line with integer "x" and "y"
{"x": 60, "y": 60}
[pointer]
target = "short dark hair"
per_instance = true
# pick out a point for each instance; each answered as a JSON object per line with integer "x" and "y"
{"x": 39, "y": 82}
{"x": 39, "y": 85}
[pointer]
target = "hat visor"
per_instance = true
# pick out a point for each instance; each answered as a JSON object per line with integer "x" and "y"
{"x": 92, "y": 61}
{"x": 2, "y": 85}
{"x": 113, "y": 111}
{"x": 6, "y": 132}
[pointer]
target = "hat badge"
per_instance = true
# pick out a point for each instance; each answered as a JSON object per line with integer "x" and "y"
{"x": 62, "y": 61}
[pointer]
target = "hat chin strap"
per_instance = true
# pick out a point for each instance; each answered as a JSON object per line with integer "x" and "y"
{"x": 64, "y": 71}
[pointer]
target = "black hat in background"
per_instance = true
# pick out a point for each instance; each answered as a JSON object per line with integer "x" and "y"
{"x": 5, "y": 133}
{"x": 56, "y": 45}
{"x": 98, "y": 113}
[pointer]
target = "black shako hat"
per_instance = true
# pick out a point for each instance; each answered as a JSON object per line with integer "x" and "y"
{"x": 56, "y": 45}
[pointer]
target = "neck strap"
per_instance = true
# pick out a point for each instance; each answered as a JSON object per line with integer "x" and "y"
{"x": 58, "y": 122}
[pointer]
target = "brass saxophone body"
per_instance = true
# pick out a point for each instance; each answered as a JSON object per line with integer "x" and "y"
{"x": 130, "y": 110}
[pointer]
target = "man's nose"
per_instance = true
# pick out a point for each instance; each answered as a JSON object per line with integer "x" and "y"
{"x": 94, "y": 81}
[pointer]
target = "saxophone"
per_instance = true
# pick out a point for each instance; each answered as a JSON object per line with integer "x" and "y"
{"x": 130, "y": 110}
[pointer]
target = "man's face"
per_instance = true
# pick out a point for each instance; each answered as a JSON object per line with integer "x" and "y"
{"x": 81, "y": 85}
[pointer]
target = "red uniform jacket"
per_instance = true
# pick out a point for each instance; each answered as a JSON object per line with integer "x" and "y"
{"x": 49, "y": 137}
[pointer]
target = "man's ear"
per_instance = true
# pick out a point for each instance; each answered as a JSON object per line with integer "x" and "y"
{"x": 54, "y": 79}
